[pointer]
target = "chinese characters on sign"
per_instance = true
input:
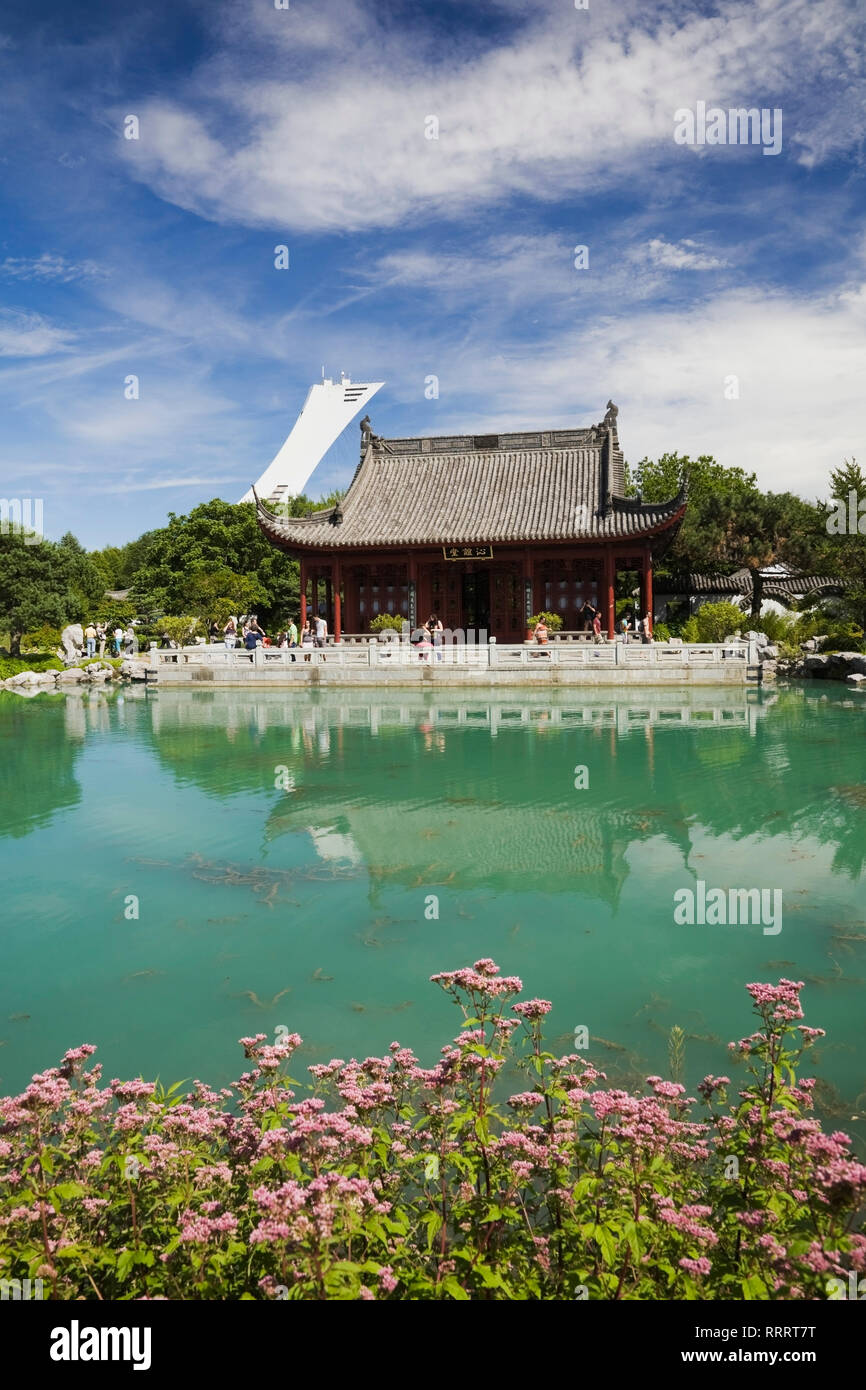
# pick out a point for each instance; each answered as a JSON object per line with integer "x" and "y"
{"x": 467, "y": 552}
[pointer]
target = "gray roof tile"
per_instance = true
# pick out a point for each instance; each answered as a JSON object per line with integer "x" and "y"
{"x": 469, "y": 490}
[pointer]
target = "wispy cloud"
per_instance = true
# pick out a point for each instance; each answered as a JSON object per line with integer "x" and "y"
{"x": 165, "y": 484}
{"x": 680, "y": 255}
{"x": 30, "y": 335}
{"x": 48, "y": 266}
{"x": 568, "y": 105}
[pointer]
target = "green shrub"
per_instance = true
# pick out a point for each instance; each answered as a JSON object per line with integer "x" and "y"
{"x": 713, "y": 622}
{"x": 661, "y": 632}
{"x": 779, "y": 627}
{"x": 43, "y": 639}
{"x": 182, "y": 630}
{"x": 38, "y": 661}
{"x": 842, "y": 637}
{"x": 553, "y": 620}
{"x": 387, "y": 622}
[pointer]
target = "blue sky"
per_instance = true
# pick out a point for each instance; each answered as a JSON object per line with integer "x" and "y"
{"x": 409, "y": 256}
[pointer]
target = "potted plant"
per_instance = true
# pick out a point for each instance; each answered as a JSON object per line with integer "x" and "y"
{"x": 553, "y": 621}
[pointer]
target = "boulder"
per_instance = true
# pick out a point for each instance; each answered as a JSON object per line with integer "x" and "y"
{"x": 857, "y": 679}
{"x": 810, "y": 645}
{"x": 73, "y": 675}
{"x": 134, "y": 670}
{"x": 759, "y": 638}
{"x": 768, "y": 653}
{"x": 72, "y": 638}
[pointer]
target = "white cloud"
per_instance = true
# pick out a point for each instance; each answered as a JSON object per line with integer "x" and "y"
{"x": 159, "y": 484}
{"x": 48, "y": 266}
{"x": 798, "y": 363}
{"x": 560, "y": 109}
{"x": 680, "y": 255}
{"x": 30, "y": 335}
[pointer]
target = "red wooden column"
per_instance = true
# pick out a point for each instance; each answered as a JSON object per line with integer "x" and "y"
{"x": 648, "y": 588}
{"x": 336, "y": 578}
{"x": 303, "y": 592}
{"x": 610, "y": 591}
{"x": 329, "y": 593}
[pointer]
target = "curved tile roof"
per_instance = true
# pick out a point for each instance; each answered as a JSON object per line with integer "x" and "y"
{"x": 560, "y": 485}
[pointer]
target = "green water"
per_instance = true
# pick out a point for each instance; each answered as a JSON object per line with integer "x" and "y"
{"x": 322, "y": 887}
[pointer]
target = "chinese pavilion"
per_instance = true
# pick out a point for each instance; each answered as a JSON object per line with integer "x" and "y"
{"x": 483, "y": 530}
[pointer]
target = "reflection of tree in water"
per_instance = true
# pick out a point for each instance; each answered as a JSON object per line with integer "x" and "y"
{"x": 777, "y": 791}
{"x": 408, "y": 803}
{"x": 37, "y": 762}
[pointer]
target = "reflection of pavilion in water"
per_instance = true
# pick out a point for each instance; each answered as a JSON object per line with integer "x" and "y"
{"x": 704, "y": 708}
{"x": 417, "y": 832}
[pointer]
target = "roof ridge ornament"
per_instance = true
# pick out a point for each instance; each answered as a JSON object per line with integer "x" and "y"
{"x": 609, "y": 421}
{"x": 368, "y": 437}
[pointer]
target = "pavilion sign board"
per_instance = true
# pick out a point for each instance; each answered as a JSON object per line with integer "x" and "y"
{"x": 467, "y": 552}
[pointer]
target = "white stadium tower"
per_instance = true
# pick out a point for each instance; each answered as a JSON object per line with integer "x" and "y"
{"x": 330, "y": 406}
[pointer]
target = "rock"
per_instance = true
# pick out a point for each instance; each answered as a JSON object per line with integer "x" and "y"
{"x": 134, "y": 670}
{"x": 810, "y": 645}
{"x": 73, "y": 675}
{"x": 72, "y": 638}
{"x": 98, "y": 674}
{"x": 768, "y": 653}
{"x": 759, "y": 638}
{"x": 857, "y": 679}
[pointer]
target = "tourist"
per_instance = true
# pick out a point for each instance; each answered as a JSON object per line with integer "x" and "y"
{"x": 102, "y": 638}
{"x": 230, "y": 634}
{"x": 118, "y": 638}
{"x": 596, "y": 627}
{"x": 214, "y": 631}
{"x": 540, "y": 633}
{"x": 321, "y": 631}
{"x": 307, "y": 639}
{"x": 130, "y": 645}
{"x": 423, "y": 642}
{"x": 436, "y": 630}
{"x": 90, "y": 637}
{"x": 292, "y": 635}
{"x": 586, "y": 615}
{"x": 254, "y": 634}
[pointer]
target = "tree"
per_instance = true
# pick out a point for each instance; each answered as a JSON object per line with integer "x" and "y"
{"x": 697, "y": 544}
{"x": 752, "y": 530}
{"x": 85, "y": 579}
{"x": 35, "y": 586}
{"x": 845, "y": 545}
{"x": 216, "y": 557}
{"x": 730, "y": 523}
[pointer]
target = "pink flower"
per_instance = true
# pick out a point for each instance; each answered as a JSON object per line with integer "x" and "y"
{"x": 696, "y": 1267}
{"x": 526, "y": 1100}
{"x": 532, "y": 1009}
{"x": 386, "y": 1279}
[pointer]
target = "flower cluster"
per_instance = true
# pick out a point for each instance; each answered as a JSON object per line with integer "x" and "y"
{"x": 383, "y": 1178}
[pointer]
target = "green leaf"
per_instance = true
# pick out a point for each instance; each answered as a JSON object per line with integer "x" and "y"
{"x": 68, "y": 1190}
{"x": 451, "y": 1286}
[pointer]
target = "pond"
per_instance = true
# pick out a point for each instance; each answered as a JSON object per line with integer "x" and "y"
{"x": 183, "y": 868}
